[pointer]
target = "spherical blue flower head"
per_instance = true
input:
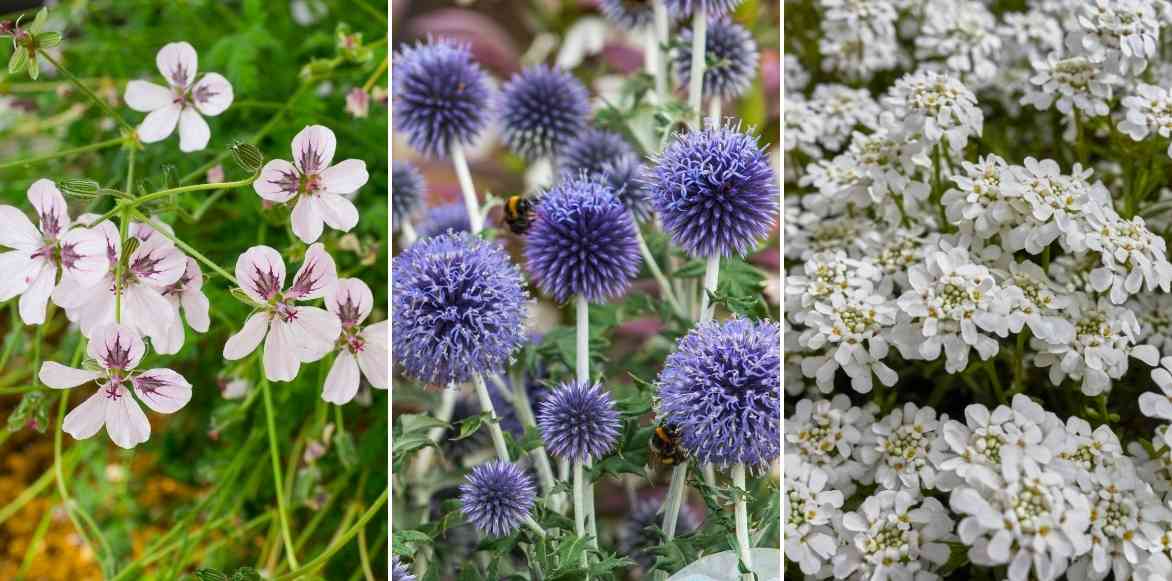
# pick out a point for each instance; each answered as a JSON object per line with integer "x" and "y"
{"x": 591, "y": 150}
{"x": 441, "y": 96}
{"x": 541, "y": 110}
{"x": 685, "y": 8}
{"x": 638, "y": 532}
{"x": 497, "y": 497}
{"x": 722, "y": 389}
{"x": 732, "y": 56}
{"x": 579, "y": 421}
{"x": 624, "y": 176}
{"x": 406, "y": 191}
{"x": 399, "y": 571}
{"x": 458, "y": 308}
{"x": 635, "y": 15}
{"x": 715, "y": 192}
{"x": 582, "y": 241}
{"x": 442, "y": 218}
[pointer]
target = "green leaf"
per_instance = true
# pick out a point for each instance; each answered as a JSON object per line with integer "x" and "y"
{"x": 411, "y": 423}
{"x": 347, "y": 452}
{"x": 39, "y": 22}
{"x": 246, "y": 574}
{"x": 48, "y": 39}
{"x": 18, "y": 61}
{"x": 469, "y": 425}
{"x": 210, "y": 575}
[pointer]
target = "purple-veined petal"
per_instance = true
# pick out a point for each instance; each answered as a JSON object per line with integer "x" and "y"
{"x": 158, "y": 262}
{"x": 51, "y": 208}
{"x": 278, "y": 181}
{"x": 316, "y": 275}
{"x": 116, "y": 346}
{"x": 337, "y": 211}
{"x": 84, "y": 257}
{"x": 126, "y": 423}
{"x": 261, "y": 273}
{"x": 350, "y": 300}
{"x": 178, "y": 62}
{"x": 58, "y": 376}
{"x": 212, "y": 95}
{"x": 162, "y": 390}
{"x": 313, "y": 149}
{"x": 314, "y": 333}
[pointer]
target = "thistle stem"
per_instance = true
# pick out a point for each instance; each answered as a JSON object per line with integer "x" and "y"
{"x": 579, "y": 505}
{"x": 278, "y": 481}
{"x": 741, "y": 515}
{"x": 536, "y": 528}
{"x": 659, "y": 11}
{"x": 494, "y": 426}
{"x": 674, "y": 500}
{"x": 464, "y": 176}
{"x": 583, "y": 353}
{"x": 711, "y": 277}
{"x": 714, "y": 112}
{"x": 444, "y": 414}
{"x": 407, "y": 233}
{"x": 653, "y": 266}
{"x": 696, "y": 75}
{"x": 540, "y": 457}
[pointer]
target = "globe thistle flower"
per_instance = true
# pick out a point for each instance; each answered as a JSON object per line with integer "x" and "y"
{"x": 732, "y": 55}
{"x": 458, "y": 308}
{"x": 637, "y": 534}
{"x": 722, "y": 388}
{"x": 441, "y": 96}
{"x": 624, "y": 175}
{"x": 582, "y": 242}
{"x": 497, "y": 497}
{"x": 443, "y": 218}
{"x": 685, "y": 8}
{"x": 407, "y": 187}
{"x": 579, "y": 421}
{"x": 399, "y": 571}
{"x": 541, "y": 110}
{"x": 633, "y": 15}
{"x": 715, "y": 192}
{"x": 590, "y": 151}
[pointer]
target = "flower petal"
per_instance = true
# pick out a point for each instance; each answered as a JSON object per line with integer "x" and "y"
{"x": 146, "y": 97}
{"x": 212, "y": 95}
{"x": 195, "y": 308}
{"x": 158, "y": 262}
{"x": 178, "y": 62}
{"x": 281, "y": 360}
{"x": 342, "y": 382}
{"x": 350, "y": 300}
{"x": 126, "y": 423}
{"x": 17, "y": 231}
{"x": 373, "y": 357}
{"x": 307, "y": 219}
{"x": 19, "y": 269}
{"x": 194, "y": 132}
{"x": 58, "y": 376}
{"x": 159, "y": 123}
{"x": 261, "y": 273}
{"x": 278, "y": 181}
{"x": 337, "y": 211}
{"x": 246, "y": 340}
{"x": 345, "y": 178}
{"x": 50, "y": 205}
{"x": 84, "y": 257}
{"x": 313, "y": 149}
{"x": 116, "y": 346}
{"x": 316, "y": 275}
{"x": 86, "y": 419}
{"x": 36, "y": 296}
{"x": 162, "y": 390}
{"x": 314, "y": 333}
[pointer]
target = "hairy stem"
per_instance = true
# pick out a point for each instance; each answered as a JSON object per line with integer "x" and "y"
{"x": 275, "y": 454}
{"x": 464, "y": 176}
{"x": 741, "y": 516}
{"x": 653, "y": 266}
{"x": 696, "y": 75}
{"x": 494, "y": 425}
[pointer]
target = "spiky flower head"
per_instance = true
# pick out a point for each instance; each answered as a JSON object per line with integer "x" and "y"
{"x": 722, "y": 389}
{"x": 407, "y": 189}
{"x": 685, "y": 8}
{"x": 497, "y": 496}
{"x": 582, "y": 242}
{"x": 440, "y": 219}
{"x": 624, "y": 175}
{"x": 633, "y": 15}
{"x": 399, "y": 571}
{"x": 458, "y": 309}
{"x": 591, "y": 150}
{"x": 715, "y": 192}
{"x": 579, "y": 421}
{"x": 541, "y": 110}
{"x": 441, "y": 96}
{"x": 731, "y": 53}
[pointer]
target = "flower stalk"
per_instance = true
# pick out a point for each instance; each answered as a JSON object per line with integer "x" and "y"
{"x": 278, "y": 486}
{"x": 464, "y": 176}
{"x": 494, "y": 425}
{"x": 696, "y": 78}
{"x": 741, "y": 517}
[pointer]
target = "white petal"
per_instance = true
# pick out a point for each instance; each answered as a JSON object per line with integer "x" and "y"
{"x": 337, "y": 211}
{"x": 195, "y": 307}
{"x": 116, "y": 347}
{"x": 350, "y": 300}
{"x": 313, "y": 149}
{"x": 281, "y": 360}
{"x": 194, "y": 132}
{"x": 162, "y": 390}
{"x": 316, "y": 275}
{"x": 345, "y": 178}
{"x": 58, "y": 376}
{"x": 86, "y": 419}
{"x": 50, "y": 205}
{"x": 159, "y": 123}
{"x": 36, "y": 296}
{"x": 90, "y": 263}
{"x": 126, "y": 423}
{"x": 147, "y": 310}
{"x": 261, "y": 273}
{"x": 212, "y": 94}
{"x": 307, "y": 219}
{"x": 246, "y": 340}
{"x": 19, "y": 270}
{"x": 278, "y": 181}
{"x": 17, "y": 231}
{"x": 158, "y": 262}
{"x": 373, "y": 357}
{"x": 178, "y": 62}
{"x": 146, "y": 97}
{"x": 343, "y": 379}
{"x": 314, "y": 332}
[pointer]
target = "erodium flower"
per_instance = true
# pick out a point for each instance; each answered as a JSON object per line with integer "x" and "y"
{"x": 399, "y": 571}
{"x": 319, "y": 188}
{"x": 496, "y": 497}
{"x": 117, "y": 350}
{"x": 407, "y": 189}
{"x": 895, "y": 535}
{"x": 683, "y": 8}
{"x": 732, "y": 56}
{"x": 362, "y": 349}
{"x": 442, "y": 219}
{"x": 633, "y": 15}
{"x": 441, "y": 96}
{"x": 39, "y": 253}
{"x": 715, "y": 192}
{"x": 582, "y": 242}
{"x": 185, "y": 293}
{"x": 541, "y": 110}
{"x": 181, "y": 102}
{"x": 579, "y": 422}
{"x": 293, "y": 334}
{"x": 722, "y": 388}
{"x": 638, "y": 532}
{"x": 458, "y": 308}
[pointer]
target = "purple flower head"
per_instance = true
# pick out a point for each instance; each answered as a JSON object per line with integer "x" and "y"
{"x": 685, "y": 8}
{"x": 633, "y": 15}
{"x": 497, "y": 497}
{"x": 624, "y": 175}
{"x": 579, "y": 421}
{"x": 399, "y": 571}
{"x": 458, "y": 309}
{"x": 582, "y": 241}
{"x": 441, "y": 96}
{"x": 541, "y": 110}
{"x": 722, "y": 389}
{"x": 440, "y": 219}
{"x": 591, "y": 150}
{"x": 406, "y": 190}
{"x": 732, "y": 58}
{"x": 638, "y": 532}
{"x": 715, "y": 192}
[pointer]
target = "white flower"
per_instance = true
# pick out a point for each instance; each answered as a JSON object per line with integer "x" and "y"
{"x": 1155, "y": 405}
{"x": 906, "y": 449}
{"x": 1122, "y": 33}
{"x": 1034, "y": 300}
{"x": 187, "y": 292}
{"x": 851, "y": 329}
{"x": 796, "y": 76}
{"x": 938, "y": 106}
{"x": 842, "y": 110}
{"x": 39, "y": 253}
{"x": 1030, "y": 35}
{"x": 1056, "y": 204}
{"x": 1132, "y": 256}
{"x": 895, "y": 535}
{"x": 979, "y": 199}
{"x": 858, "y": 36}
{"x": 1069, "y": 83}
{"x": 1155, "y": 465}
{"x": 296, "y": 334}
{"x": 117, "y": 350}
{"x": 963, "y": 33}
{"x": 181, "y": 102}
{"x": 1104, "y": 338}
{"x": 809, "y": 510}
{"x": 803, "y": 126}
{"x": 825, "y": 434}
{"x": 990, "y": 444}
{"x": 1122, "y": 508}
{"x": 320, "y": 188}
{"x": 361, "y": 348}
{"x": 1083, "y": 452}
{"x": 1148, "y": 111}
{"x": 895, "y": 251}
{"x": 827, "y": 274}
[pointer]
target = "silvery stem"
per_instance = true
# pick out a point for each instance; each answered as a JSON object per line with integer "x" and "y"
{"x": 407, "y": 233}
{"x": 741, "y": 515}
{"x": 696, "y": 75}
{"x": 464, "y": 176}
{"x": 674, "y": 500}
{"x": 443, "y": 414}
{"x": 659, "y": 10}
{"x": 579, "y": 505}
{"x": 494, "y": 426}
{"x": 711, "y": 274}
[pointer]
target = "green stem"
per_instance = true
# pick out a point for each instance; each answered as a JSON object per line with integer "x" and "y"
{"x": 378, "y": 73}
{"x": 194, "y": 188}
{"x": 187, "y": 248}
{"x": 63, "y": 153}
{"x": 339, "y": 543}
{"x": 275, "y": 453}
{"x": 101, "y": 103}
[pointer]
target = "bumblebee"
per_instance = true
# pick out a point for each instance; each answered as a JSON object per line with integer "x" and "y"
{"x": 519, "y": 213}
{"x": 665, "y": 445}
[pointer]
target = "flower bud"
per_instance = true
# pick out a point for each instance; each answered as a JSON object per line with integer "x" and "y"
{"x": 79, "y": 187}
{"x": 247, "y": 156}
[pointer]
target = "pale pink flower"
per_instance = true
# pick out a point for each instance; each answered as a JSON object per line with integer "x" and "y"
{"x": 359, "y": 348}
{"x": 358, "y": 103}
{"x": 117, "y": 350}
{"x": 216, "y": 174}
{"x": 187, "y": 292}
{"x": 38, "y": 254}
{"x": 181, "y": 102}
{"x": 318, "y": 187}
{"x": 296, "y": 334}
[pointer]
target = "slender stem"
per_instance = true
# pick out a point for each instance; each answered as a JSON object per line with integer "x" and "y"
{"x": 378, "y": 73}
{"x": 275, "y": 453}
{"x": 123, "y": 228}
{"x": 591, "y": 518}
{"x": 494, "y": 426}
{"x": 187, "y": 248}
{"x": 714, "y": 105}
{"x": 653, "y": 266}
{"x": 101, "y": 103}
{"x": 711, "y": 277}
{"x": 340, "y": 542}
{"x": 363, "y": 555}
{"x": 407, "y": 233}
{"x": 583, "y": 350}
{"x": 444, "y": 414}
{"x": 532, "y": 524}
{"x": 696, "y": 75}
{"x": 464, "y": 176}
{"x": 709, "y": 475}
{"x": 674, "y": 499}
{"x": 193, "y": 188}
{"x": 659, "y": 12}
{"x": 741, "y": 515}
{"x": 540, "y": 457}
{"x": 579, "y": 505}
{"x": 62, "y": 153}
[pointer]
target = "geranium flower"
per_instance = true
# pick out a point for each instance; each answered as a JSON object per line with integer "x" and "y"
{"x": 30, "y": 268}
{"x": 117, "y": 350}
{"x": 187, "y": 292}
{"x": 181, "y": 102}
{"x": 318, "y": 186}
{"x": 359, "y": 348}
{"x": 295, "y": 333}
